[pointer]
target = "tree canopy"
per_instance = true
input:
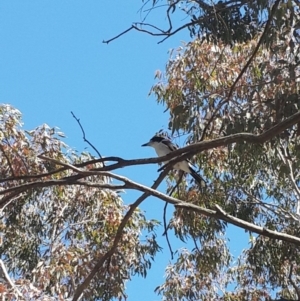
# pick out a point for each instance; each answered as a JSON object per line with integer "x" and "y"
{"x": 233, "y": 93}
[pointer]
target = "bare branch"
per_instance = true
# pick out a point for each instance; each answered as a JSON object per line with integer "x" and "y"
{"x": 44, "y": 175}
{"x": 149, "y": 25}
{"x": 219, "y": 213}
{"x": 192, "y": 149}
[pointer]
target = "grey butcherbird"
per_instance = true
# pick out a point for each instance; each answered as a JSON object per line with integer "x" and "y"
{"x": 164, "y": 146}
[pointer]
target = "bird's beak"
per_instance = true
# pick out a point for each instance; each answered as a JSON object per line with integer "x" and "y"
{"x": 146, "y": 144}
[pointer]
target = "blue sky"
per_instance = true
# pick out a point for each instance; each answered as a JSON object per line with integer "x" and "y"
{"x": 53, "y": 61}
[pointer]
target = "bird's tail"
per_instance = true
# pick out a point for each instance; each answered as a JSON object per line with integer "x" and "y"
{"x": 201, "y": 182}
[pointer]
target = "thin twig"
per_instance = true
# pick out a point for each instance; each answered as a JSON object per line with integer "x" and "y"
{"x": 296, "y": 288}
{"x": 45, "y": 175}
{"x": 166, "y": 230}
{"x": 119, "y": 35}
{"x": 195, "y": 243}
{"x": 150, "y": 25}
{"x": 84, "y": 138}
{"x": 289, "y": 165}
{"x": 7, "y": 203}
{"x": 170, "y": 194}
{"x": 8, "y": 161}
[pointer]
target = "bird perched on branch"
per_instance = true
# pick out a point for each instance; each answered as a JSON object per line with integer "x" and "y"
{"x": 164, "y": 146}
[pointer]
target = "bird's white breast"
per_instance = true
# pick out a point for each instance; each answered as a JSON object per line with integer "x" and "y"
{"x": 162, "y": 150}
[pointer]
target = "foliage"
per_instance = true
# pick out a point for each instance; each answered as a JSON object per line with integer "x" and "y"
{"x": 258, "y": 184}
{"x": 52, "y": 236}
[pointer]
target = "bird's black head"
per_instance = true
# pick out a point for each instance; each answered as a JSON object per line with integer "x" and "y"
{"x": 155, "y": 139}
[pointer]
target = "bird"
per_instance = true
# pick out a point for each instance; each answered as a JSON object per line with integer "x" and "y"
{"x": 164, "y": 146}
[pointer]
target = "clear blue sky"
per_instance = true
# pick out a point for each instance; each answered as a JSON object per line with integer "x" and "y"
{"x": 53, "y": 61}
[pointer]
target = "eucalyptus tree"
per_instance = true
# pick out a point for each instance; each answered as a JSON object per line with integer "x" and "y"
{"x": 232, "y": 92}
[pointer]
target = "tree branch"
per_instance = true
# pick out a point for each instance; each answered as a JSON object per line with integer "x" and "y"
{"x": 267, "y": 27}
{"x": 218, "y": 213}
{"x": 44, "y": 175}
{"x": 192, "y": 149}
{"x": 211, "y": 11}
{"x": 175, "y": 156}
{"x": 180, "y": 154}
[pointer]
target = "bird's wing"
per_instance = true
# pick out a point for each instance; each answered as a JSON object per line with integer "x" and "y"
{"x": 172, "y": 147}
{"x": 169, "y": 144}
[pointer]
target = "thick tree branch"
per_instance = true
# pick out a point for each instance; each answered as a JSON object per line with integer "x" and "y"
{"x": 219, "y": 213}
{"x": 192, "y": 149}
